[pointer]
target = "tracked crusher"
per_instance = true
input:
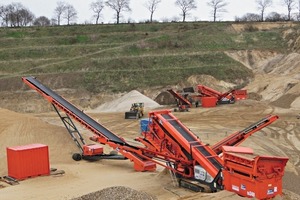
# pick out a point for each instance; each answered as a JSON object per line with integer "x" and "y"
{"x": 169, "y": 143}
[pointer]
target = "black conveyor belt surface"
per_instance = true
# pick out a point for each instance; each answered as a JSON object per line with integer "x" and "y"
{"x": 190, "y": 138}
{"x": 81, "y": 115}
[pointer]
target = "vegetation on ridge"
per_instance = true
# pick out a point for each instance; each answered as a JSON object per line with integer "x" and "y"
{"x": 117, "y": 58}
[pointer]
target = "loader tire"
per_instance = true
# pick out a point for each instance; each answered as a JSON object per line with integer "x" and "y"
{"x": 76, "y": 156}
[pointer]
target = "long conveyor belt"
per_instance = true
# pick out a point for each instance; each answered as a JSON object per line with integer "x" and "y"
{"x": 84, "y": 119}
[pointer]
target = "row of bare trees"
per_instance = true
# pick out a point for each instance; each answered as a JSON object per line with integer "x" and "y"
{"x": 186, "y": 6}
{"x": 262, "y": 5}
{"x": 15, "y": 14}
{"x": 217, "y": 8}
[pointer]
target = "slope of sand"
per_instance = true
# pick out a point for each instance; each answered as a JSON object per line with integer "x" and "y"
{"x": 22, "y": 129}
{"x": 277, "y": 76}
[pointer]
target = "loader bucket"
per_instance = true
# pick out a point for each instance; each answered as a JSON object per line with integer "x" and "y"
{"x": 131, "y": 115}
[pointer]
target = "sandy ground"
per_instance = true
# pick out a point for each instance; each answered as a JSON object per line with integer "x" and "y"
{"x": 210, "y": 124}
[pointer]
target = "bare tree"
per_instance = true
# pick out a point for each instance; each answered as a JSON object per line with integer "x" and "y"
{"x": 118, "y": 6}
{"x": 4, "y": 15}
{"x": 248, "y": 17}
{"x": 70, "y": 14}
{"x": 186, "y": 6}
{"x": 151, "y": 5}
{"x": 25, "y": 17}
{"x": 97, "y": 8}
{"x": 41, "y": 21}
{"x": 290, "y": 5}
{"x": 275, "y": 17}
{"x": 53, "y": 21}
{"x": 16, "y": 15}
{"x": 217, "y": 7}
{"x": 59, "y": 11}
{"x": 262, "y": 5}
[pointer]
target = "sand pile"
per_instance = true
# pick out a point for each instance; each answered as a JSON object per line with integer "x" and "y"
{"x": 117, "y": 193}
{"x": 123, "y": 103}
{"x": 20, "y": 129}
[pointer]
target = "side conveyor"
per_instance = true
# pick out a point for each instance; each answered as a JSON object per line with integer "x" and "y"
{"x": 238, "y": 137}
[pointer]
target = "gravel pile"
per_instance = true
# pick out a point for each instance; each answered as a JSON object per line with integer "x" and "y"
{"x": 117, "y": 193}
{"x": 123, "y": 103}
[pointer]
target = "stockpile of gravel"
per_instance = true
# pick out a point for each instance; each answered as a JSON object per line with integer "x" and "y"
{"x": 117, "y": 193}
{"x": 123, "y": 103}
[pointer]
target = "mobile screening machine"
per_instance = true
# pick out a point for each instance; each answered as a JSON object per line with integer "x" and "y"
{"x": 169, "y": 143}
{"x": 183, "y": 103}
{"x": 222, "y": 98}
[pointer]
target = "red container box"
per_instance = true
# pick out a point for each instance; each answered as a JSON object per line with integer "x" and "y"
{"x": 209, "y": 102}
{"x": 28, "y": 161}
{"x": 240, "y": 94}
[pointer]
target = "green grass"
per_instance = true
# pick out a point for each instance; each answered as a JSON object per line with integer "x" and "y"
{"x": 123, "y": 57}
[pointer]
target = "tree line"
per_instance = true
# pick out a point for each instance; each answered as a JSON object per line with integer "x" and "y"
{"x": 17, "y": 15}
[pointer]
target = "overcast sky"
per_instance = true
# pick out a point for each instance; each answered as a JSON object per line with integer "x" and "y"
{"x": 166, "y": 10}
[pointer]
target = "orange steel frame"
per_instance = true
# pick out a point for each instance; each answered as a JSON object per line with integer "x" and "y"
{"x": 207, "y": 91}
{"x": 254, "y": 177}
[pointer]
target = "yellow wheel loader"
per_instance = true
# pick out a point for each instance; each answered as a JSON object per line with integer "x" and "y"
{"x": 136, "y": 111}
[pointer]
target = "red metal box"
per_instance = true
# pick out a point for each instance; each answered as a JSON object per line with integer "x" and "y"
{"x": 240, "y": 94}
{"x": 209, "y": 102}
{"x": 253, "y": 176}
{"x": 28, "y": 161}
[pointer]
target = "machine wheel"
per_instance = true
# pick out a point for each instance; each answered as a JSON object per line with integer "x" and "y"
{"x": 76, "y": 156}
